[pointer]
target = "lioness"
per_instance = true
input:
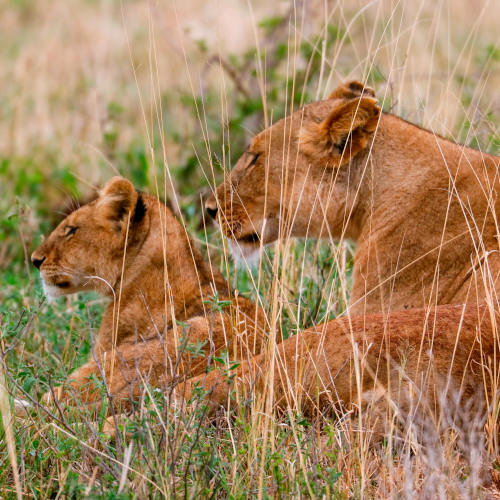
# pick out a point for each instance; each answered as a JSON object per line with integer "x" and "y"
{"x": 416, "y": 361}
{"x": 169, "y": 310}
{"x": 421, "y": 208}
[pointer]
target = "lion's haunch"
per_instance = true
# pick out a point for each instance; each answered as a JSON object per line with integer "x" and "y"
{"x": 401, "y": 358}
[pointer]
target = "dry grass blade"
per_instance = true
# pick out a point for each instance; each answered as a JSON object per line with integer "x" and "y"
{"x": 7, "y": 420}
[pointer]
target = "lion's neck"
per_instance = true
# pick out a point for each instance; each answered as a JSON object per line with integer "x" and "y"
{"x": 166, "y": 281}
{"x": 428, "y": 233}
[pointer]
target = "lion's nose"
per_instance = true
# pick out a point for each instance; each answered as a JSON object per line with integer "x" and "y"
{"x": 211, "y": 208}
{"x": 37, "y": 261}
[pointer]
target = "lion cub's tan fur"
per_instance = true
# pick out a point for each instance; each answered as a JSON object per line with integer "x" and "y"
{"x": 422, "y": 209}
{"x": 129, "y": 247}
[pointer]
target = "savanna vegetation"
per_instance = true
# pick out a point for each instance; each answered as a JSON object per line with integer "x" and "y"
{"x": 168, "y": 94}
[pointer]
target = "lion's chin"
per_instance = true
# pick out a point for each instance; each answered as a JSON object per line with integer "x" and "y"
{"x": 244, "y": 254}
{"x": 52, "y": 292}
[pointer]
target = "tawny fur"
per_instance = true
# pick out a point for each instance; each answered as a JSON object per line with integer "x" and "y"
{"x": 409, "y": 360}
{"x": 421, "y": 208}
{"x": 160, "y": 305}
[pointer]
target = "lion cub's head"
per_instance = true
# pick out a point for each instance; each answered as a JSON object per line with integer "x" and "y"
{"x": 278, "y": 182}
{"x": 85, "y": 251}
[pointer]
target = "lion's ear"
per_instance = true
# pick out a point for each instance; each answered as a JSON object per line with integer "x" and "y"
{"x": 344, "y": 133}
{"x": 116, "y": 203}
{"x": 351, "y": 90}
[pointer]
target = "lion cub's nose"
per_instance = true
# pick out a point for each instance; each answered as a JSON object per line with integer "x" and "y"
{"x": 211, "y": 208}
{"x": 37, "y": 261}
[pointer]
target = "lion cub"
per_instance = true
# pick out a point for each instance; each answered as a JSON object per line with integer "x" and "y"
{"x": 170, "y": 312}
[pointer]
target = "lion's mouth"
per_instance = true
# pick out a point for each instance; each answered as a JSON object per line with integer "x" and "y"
{"x": 252, "y": 238}
{"x": 52, "y": 290}
{"x": 57, "y": 280}
{"x": 260, "y": 233}
{"x": 245, "y": 247}
{"x": 56, "y": 285}
{"x": 63, "y": 284}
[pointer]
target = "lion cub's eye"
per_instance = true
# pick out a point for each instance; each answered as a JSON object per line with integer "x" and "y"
{"x": 70, "y": 230}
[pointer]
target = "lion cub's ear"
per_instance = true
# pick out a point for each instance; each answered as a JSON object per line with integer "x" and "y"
{"x": 344, "y": 133}
{"x": 350, "y": 90}
{"x": 116, "y": 203}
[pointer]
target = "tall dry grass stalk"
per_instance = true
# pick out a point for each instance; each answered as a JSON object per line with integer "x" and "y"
{"x": 7, "y": 420}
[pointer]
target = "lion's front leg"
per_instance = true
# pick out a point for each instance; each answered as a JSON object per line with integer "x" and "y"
{"x": 94, "y": 383}
{"x": 123, "y": 375}
{"x": 82, "y": 387}
{"x": 117, "y": 377}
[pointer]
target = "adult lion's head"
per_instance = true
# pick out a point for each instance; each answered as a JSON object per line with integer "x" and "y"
{"x": 296, "y": 169}
{"x": 86, "y": 250}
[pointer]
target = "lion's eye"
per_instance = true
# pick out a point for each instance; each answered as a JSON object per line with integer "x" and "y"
{"x": 70, "y": 230}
